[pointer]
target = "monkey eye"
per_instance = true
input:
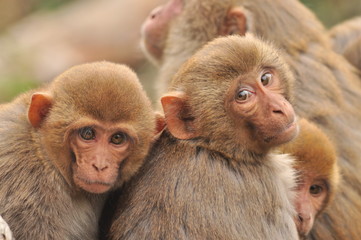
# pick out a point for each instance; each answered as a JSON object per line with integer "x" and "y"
{"x": 266, "y": 79}
{"x": 87, "y": 133}
{"x": 119, "y": 138}
{"x": 243, "y": 95}
{"x": 315, "y": 189}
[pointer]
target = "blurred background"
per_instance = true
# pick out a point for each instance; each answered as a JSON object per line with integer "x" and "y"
{"x": 39, "y": 39}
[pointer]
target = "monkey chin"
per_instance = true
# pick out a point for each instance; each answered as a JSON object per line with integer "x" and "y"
{"x": 283, "y": 136}
{"x": 92, "y": 186}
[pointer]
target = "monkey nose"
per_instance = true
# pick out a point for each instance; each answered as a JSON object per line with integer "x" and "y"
{"x": 99, "y": 168}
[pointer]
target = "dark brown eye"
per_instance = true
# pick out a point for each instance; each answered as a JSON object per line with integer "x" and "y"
{"x": 118, "y": 138}
{"x": 243, "y": 95}
{"x": 316, "y": 189}
{"x": 87, "y": 133}
{"x": 266, "y": 79}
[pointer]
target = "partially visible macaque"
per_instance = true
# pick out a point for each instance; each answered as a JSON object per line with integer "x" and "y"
{"x": 155, "y": 29}
{"x": 63, "y": 147}
{"x": 211, "y": 174}
{"x": 344, "y": 33}
{"x": 346, "y": 39}
{"x": 318, "y": 174}
{"x": 353, "y": 53}
{"x": 5, "y": 232}
{"x": 327, "y": 87}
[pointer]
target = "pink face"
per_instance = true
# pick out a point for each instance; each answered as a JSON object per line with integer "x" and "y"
{"x": 97, "y": 153}
{"x": 311, "y": 195}
{"x": 258, "y": 103}
{"x": 155, "y": 28}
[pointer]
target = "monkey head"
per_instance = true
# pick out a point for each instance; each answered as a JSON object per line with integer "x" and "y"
{"x": 316, "y": 162}
{"x": 233, "y": 95}
{"x": 155, "y": 28}
{"x": 95, "y": 124}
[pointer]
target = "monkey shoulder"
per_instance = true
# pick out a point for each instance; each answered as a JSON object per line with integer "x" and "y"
{"x": 181, "y": 186}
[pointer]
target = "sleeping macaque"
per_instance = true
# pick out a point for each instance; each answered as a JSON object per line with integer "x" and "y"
{"x": 63, "y": 147}
{"x": 318, "y": 178}
{"x": 327, "y": 89}
{"x": 210, "y": 175}
{"x": 346, "y": 40}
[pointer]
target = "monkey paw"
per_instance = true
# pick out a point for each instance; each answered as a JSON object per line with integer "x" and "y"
{"x": 5, "y": 233}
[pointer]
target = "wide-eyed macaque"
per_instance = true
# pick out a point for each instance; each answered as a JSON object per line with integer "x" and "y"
{"x": 327, "y": 89}
{"x": 210, "y": 175}
{"x": 318, "y": 174}
{"x": 64, "y": 146}
{"x": 5, "y": 232}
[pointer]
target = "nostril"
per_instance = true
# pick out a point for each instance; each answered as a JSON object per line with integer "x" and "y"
{"x": 300, "y": 218}
{"x": 278, "y": 111}
{"x": 155, "y": 13}
{"x": 99, "y": 169}
{"x": 95, "y": 167}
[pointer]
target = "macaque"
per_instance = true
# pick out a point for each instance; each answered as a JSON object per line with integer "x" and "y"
{"x": 346, "y": 39}
{"x": 63, "y": 147}
{"x": 327, "y": 87}
{"x": 318, "y": 174}
{"x": 211, "y": 174}
{"x": 345, "y": 33}
{"x": 353, "y": 53}
{"x": 5, "y": 232}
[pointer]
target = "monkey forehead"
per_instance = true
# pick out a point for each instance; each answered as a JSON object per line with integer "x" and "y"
{"x": 313, "y": 149}
{"x": 225, "y": 58}
{"x": 104, "y": 90}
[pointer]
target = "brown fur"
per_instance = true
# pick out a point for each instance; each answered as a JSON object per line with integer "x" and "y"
{"x": 219, "y": 182}
{"x": 38, "y": 197}
{"x": 346, "y": 39}
{"x": 353, "y": 53}
{"x": 327, "y": 88}
{"x": 344, "y": 33}
{"x": 316, "y": 163}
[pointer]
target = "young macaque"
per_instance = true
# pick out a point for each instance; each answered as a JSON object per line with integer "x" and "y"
{"x": 327, "y": 88}
{"x": 210, "y": 175}
{"x": 63, "y": 147}
{"x": 318, "y": 177}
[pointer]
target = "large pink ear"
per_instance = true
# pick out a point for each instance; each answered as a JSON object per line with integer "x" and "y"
{"x": 234, "y": 23}
{"x": 39, "y": 108}
{"x": 178, "y": 117}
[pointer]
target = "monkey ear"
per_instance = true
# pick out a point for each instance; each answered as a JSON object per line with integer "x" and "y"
{"x": 160, "y": 125}
{"x": 39, "y": 108}
{"x": 234, "y": 23}
{"x": 178, "y": 118}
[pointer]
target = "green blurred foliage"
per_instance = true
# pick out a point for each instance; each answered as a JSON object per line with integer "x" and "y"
{"x": 15, "y": 85}
{"x": 50, "y": 4}
{"x": 331, "y": 12}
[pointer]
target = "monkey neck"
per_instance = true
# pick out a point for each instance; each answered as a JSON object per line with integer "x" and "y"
{"x": 228, "y": 150}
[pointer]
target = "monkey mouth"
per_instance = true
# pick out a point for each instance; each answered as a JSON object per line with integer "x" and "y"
{"x": 92, "y": 186}
{"x": 91, "y": 182}
{"x": 285, "y": 134}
